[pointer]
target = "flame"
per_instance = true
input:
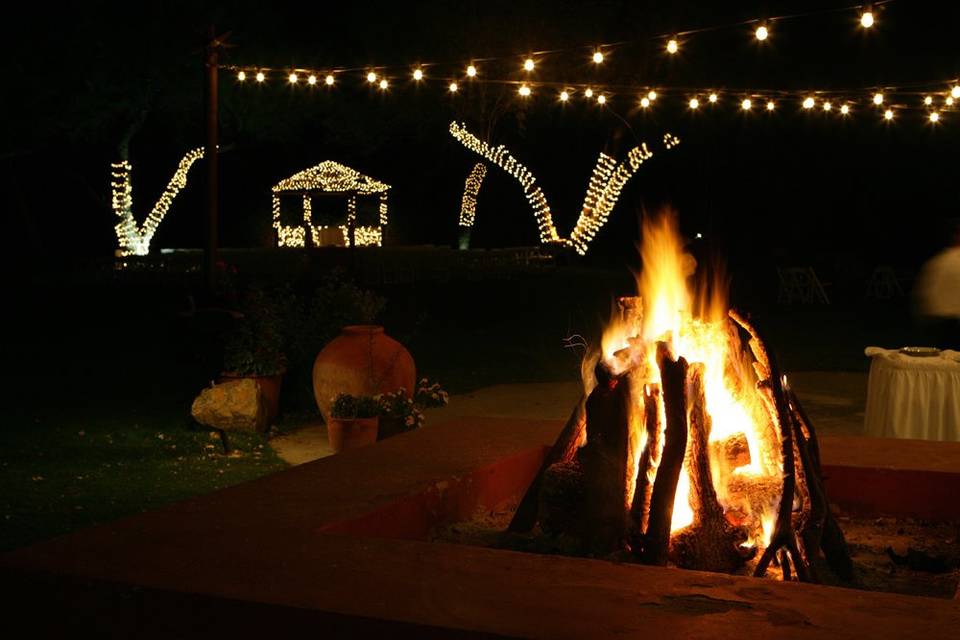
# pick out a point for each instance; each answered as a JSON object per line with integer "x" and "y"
{"x": 694, "y": 321}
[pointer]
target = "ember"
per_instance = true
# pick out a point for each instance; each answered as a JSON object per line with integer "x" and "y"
{"x": 689, "y": 444}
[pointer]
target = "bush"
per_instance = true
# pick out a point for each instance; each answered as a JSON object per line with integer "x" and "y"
{"x": 348, "y": 407}
{"x": 255, "y": 344}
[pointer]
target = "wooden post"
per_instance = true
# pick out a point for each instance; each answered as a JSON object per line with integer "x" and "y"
{"x": 210, "y": 155}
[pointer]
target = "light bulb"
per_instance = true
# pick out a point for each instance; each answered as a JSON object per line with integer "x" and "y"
{"x": 453, "y": 87}
{"x": 762, "y": 33}
{"x": 808, "y": 103}
{"x": 713, "y": 97}
{"x": 845, "y": 109}
{"x": 418, "y": 74}
{"x": 888, "y": 114}
{"x": 312, "y": 80}
{"x": 672, "y": 46}
{"x": 771, "y": 105}
{"x": 598, "y": 56}
{"x": 746, "y": 104}
{"x": 564, "y": 96}
{"x": 694, "y": 103}
{"x": 949, "y": 101}
{"x": 241, "y": 76}
{"x": 471, "y": 71}
{"x": 955, "y": 92}
{"x": 652, "y": 95}
{"x": 644, "y": 102}
{"x": 827, "y": 106}
{"x": 928, "y": 101}
{"x": 878, "y": 98}
{"x": 329, "y": 80}
{"x": 260, "y": 76}
{"x": 866, "y": 19}
{"x": 384, "y": 84}
{"x": 601, "y": 99}
{"x": 371, "y": 77}
{"x": 528, "y": 64}
{"x": 524, "y": 90}
{"x": 934, "y": 117}
{"x": 292, "y": 78}
{"x": 588, "y": 93}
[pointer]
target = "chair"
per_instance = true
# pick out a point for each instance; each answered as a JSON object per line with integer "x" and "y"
{"x": 801, "y": 284}
{"x": 884, "y": 284}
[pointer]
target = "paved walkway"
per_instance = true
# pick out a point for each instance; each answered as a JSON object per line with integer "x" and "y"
{"x": 834, "y": 401}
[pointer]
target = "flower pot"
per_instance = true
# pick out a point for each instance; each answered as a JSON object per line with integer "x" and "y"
{"x": 269, "y": 385}
{"x": 390, "y": 426}
{"x": 346, "y": 434}
{"x": 361, "y": 361}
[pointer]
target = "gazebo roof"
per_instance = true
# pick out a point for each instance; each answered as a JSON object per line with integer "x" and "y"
{"x": 331, "y": 176}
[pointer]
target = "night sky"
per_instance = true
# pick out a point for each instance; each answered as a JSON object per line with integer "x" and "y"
{"x": 790, "y": 187}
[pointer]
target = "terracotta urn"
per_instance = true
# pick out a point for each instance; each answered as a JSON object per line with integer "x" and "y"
{"x": 361, "y": 361}
{"x": 351, "y": 433}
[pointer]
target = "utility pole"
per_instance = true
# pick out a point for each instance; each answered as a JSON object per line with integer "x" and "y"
{"x": 213, "y": 47}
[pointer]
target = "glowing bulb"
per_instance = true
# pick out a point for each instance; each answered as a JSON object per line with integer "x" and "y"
{"x": 949, "y": 101}
{"x": 418, "y": 74}
{"x": 312, "y": 80}
{"x": 771, "y": 105}
{"x": 672, "y": 46}
{"x": 384, "y": 84}
{"x": 845, "y": 109}
{"x": 713, "y": 97}
{"x": 564, "y": 96}
{"x": 746, "y": 104}
{"x": 471, "y": 71}
{"x": 888, "y": 114}
{"x": 601, "y": 99}
{"x": 827, "y": 106}
{"x": 528, "y": 64}
{"x": 524, "y": 90}
{"x": 588, "y": 93}
{"x": 645, "y": 102}
{"x": 878, "y": 98}
{"x": 762, "y": 33}
{"x": 694, "y": 103}
{"x": 453, "y": 87}
{"x": 371, "y": 77}
{"x": 329, "y": 80}
{"x": 598, "y": 56}
{"x": 652, "y": 95}
{"x": 260, "y": 76}
{"x": 241, "y": 76}
{"x": 808, "y": 103}
{"x": 928, "y": 101}
{"x": 866, "y": 19}
{"x": 934, "y": 117}
{"x": 292, "y": 78}
{"x": 955, "y": 92}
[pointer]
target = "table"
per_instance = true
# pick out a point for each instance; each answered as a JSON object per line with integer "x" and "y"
{"x": 913, "y": 397}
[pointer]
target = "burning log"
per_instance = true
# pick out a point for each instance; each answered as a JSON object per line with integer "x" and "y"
{"x": 731, "y": 452}
{"x": 605, "y": 460}
{"x": 643, "y": 490}
{"x": 673, "y": 376}
{"x": 711, "y": 543}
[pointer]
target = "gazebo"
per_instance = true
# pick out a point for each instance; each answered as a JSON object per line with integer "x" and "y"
{"x": 328, "y": 178}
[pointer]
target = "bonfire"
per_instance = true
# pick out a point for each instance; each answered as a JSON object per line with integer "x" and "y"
{"x": 688, "y": 446}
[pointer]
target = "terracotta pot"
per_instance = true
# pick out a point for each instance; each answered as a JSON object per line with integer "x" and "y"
{"x": 269, "y": 385}
{"x": 389, "y": 427}
{"x": 351, "y": 434}
{"x": 361, "y": 361}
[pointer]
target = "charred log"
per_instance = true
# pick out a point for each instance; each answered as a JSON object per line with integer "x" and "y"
{"x": 643, "y": 489}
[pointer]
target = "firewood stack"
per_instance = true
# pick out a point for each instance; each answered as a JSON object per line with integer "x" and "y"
{"x": 582, "y": 490}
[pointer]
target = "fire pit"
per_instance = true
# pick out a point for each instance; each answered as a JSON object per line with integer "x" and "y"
{"x": 689, "y": 444}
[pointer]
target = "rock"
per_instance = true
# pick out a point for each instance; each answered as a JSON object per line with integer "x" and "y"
{"x": 237, "y": 405}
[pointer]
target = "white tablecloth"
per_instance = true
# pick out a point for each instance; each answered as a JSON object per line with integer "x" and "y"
{"x": 912, "y": 397}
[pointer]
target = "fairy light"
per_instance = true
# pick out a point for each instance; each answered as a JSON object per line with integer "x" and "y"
{"x": 955, "y": 92}
{"x": 242, "y": 76}
{"x": 453, "y": 87}
{"x": 761, "y": 33}
{"x": 601, "y": 99}
{"x": 949, "y": 101}
{"x": 652, "y": 95}
{"x": 471, "y": 71}
{"x": 528, "y": 64}
{"x": 672, "y": 46}
{"x": 809, "y": 103}
{"x": 564, "y": 96}
{"x": 597, "y": 56}
{"x": 371, "y": 77}
{"x": 524, "y": 91}
{"x": 878, "y": 99}
{"x": 827, "y": 106}
{"x": 133, "y": 239}
{"x": 292, "y": 78}
{"x": 845, "y": 109}
{"x": 329, "y": 80}
{"x": 712, "y": 98}
{"x": 588, "y": 93}
{"x": 866, "y": 19}
{"x": 645, "y": 102}
{"x": 468, "y": 205}
{"x": 260, "y": 76}
{"x": 771, "y": 105}
{"x": 331, "y": 177}
{"x": 888, "y": 114}
{"x": 746, "y": 104}
{"x": 418, "y": 74}
{"x": 694, "y": 103}
{"x": 384, "y": 84}
{"x": 934, "y": 117}
{"x": 928, "y": 100}
{"x": 312, "y": 80}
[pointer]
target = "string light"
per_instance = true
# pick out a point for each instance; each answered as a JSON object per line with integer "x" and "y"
{"x": 598, "y": 56}
{"x": 528, "y": 64}
{"x": 809, "y": 103}
{"x": 241, "y": 76}
{"x": 845, "y": 109}
{"x": 672, "y": 46}
{"x": 928, "y": 100}
{"x": 888, "y": 114}
{"x": 468, "y": 205}
{"x": 588, "y": 93}
{"x": 134, "y": 240}
{"x": 260, "y": 76}
{"x": 645, "y": 102}
{"x": 371, "y": 77}
{"x": 878, "y": 99}
{"x": 384, "y": 84}
{"x": 746, "y": 104}
{"x": 934, "y": 117}
{"x": 601, "y": 99}
{"x": 331, "y": 177}
{"x": 827, "y": 106}
{"x": 453, "y": 87}
{"x": 949, "y": 101}
{"x": 694, "y": 103}
{"x": 524, "y": 91}
{"x": 771, "y": 105}
{"x": 652, "y": 95}
{"x": 761, "y": 33}
{"x": 564, "y": 96}
{"x": 418, "y": 74}
{"x": 471, "y": 71}
{"x": 955, "y": 92}
{"x": 329, "y": 80}
{"x": 312, "y": 80}
{"x": 292, "y": 78}
{"x": 866, "y": 19}
{"x": 712, "y": 98}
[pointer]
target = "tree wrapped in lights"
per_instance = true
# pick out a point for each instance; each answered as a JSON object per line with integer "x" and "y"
{"x": 603, "y": 190}
{"x": 468, "y": 205}
{"x": 330, "y": 177}
{"x": 134, "y": 240}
